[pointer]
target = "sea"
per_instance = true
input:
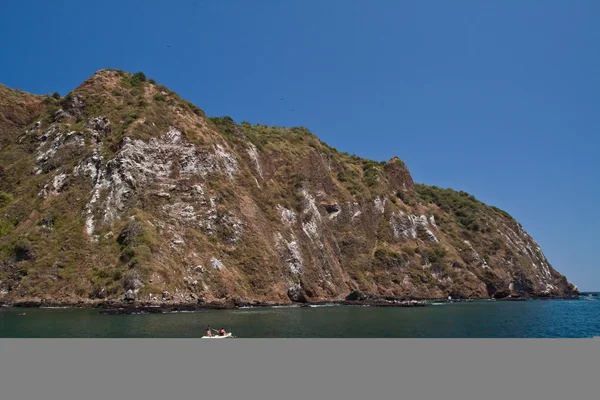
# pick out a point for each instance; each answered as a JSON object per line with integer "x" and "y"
{"x": 478, "y": 319}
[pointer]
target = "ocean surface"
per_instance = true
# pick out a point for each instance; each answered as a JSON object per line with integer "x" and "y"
{"x": 478, "y": 319}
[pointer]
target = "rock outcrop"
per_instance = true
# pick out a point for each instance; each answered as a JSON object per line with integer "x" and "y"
{"x": 122, "y": 191}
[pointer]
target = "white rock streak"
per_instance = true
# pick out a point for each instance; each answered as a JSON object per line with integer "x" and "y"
{"x": 139, "y": 164}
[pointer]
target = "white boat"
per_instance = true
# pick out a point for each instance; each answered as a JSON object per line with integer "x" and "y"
{"x": 226, "y": 336}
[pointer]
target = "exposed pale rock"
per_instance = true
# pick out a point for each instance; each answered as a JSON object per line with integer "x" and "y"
{"x": 354, "y": 209}
{"x": 46, "y": 151}
{"x": 227, "y": 160}
{"x": 181, "y": 212}
{"x": 481, "y": 262}
{"x": 288, "y": 217}
{"x": 311, "y": 205}
{"x": 216, "y": 263}
{"x": 253, "y": 153}
{"x": 163, "y": 194}
{"x": 311, "y": 230}
{"x": 55, "y": 186}
{"x": 99, "y": 127}
{"x": 198, "y": 191}
{"x": 430, "y": 236}
{"x": 139, "y": 164}
{"x": 380, "y": 204}
{"x": 432, "y": 222}
{"x": 403, "y": 225}
{"x": 291, "y": 253}
{"x": 295, "y": 293}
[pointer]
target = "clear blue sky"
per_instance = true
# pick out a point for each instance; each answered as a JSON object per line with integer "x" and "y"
{"x": 497, "y": 98}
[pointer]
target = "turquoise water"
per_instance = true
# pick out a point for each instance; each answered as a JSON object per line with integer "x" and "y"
{"x": 479, "y": 319}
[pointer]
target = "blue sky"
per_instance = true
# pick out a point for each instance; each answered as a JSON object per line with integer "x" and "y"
{"x": 497, "y": 98}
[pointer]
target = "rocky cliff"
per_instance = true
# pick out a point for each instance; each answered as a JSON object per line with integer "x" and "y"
{"x": 122, "y": 190}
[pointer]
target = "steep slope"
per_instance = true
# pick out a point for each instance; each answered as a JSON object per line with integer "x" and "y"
{"x": 122, "y": 190}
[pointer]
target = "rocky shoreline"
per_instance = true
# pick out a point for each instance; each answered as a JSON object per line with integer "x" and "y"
{"x": 353, "y": 299}
{"x": 133, "y": 308}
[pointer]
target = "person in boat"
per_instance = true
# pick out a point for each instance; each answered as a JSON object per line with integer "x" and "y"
{"x": 222, "y": 332}
{"x": 208, "y": 332}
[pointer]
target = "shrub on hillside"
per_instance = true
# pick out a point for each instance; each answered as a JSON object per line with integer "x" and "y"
{"x": 463, "y": 205}
{"x": 129, "y": 233}
{"x": 22, "y": 250}
{"x": 5, "y": 199}
{"x": 137, "y": 79}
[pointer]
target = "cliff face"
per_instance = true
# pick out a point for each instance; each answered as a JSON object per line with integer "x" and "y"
{"x": 122, "y": 190}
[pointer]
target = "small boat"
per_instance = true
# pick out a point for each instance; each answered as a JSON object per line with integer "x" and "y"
{"x": 226, "y": 336}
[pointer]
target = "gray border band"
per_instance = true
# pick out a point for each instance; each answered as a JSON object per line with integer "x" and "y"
{"x": 299, "y": 368}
